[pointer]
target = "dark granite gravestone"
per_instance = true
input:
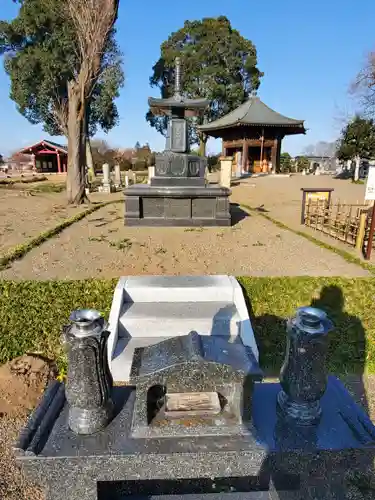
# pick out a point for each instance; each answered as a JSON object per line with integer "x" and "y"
{"x": 280, "y": 457}
{"x": 182, "y": 367}
{"x": 177, "y": 195}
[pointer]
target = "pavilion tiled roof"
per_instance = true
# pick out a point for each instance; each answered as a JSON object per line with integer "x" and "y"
{"x": 253, "y": 112}
{"x": 51, "y": 144}
{"x": 56, "y": 145}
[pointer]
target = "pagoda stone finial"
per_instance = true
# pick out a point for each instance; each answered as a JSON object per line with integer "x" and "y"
{"x": 178, "y": 107}
{"x": 178, "y": 77}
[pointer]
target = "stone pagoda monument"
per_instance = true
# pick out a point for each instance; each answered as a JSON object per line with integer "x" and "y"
{"x": 178, "y": 194}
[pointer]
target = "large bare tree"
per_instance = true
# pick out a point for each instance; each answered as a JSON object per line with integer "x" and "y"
{"x": 93, "y": 21}
{"x": 52, "y": 50}
{"x": 364, "y": 86}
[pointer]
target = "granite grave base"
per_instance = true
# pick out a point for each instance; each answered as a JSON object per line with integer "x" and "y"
{"x": 184, "y": 206}
{"x": 275, "y": 461}
{"x": 182, "y": 368}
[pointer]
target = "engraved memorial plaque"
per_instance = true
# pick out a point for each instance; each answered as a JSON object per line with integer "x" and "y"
{"x": 178, "y": 135}
{"x": 153, "y": 207}
{"x": 203, "y": 208}
{"x": 178, "y": 208}
{"x": 193, "y": 168}
{"x": 178, "y": 166}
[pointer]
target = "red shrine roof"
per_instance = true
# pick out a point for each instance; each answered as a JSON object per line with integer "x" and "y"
{"x": 54, "y": 146}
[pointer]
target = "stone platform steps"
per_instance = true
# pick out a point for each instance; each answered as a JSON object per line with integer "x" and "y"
{"x": 165, "y": 319}
{"x": 149, "y": 309}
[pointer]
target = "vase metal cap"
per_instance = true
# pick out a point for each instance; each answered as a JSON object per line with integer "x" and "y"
{"x": 313, "y": 320}
{"x": 87, "y": 322}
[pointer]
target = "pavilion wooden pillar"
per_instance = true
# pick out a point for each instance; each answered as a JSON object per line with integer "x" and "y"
{"x": 245, "y": 154}
{"x": 58, "y": 162}
{"x": 275, "y": 155}
{"x": 278, "y": 153}
{"x": 262, "y": 150}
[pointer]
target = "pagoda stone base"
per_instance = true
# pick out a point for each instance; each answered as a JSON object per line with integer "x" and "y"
{"x": 177, "y": 206}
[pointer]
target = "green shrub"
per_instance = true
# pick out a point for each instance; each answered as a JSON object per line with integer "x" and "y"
{"x": 32, "y": 314}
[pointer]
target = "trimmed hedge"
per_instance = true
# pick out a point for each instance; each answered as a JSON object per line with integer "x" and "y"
{"x": 32, "y": 314}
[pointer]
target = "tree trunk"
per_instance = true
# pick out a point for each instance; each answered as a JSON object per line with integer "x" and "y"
{"x": 75, "y": 182}
{"x": 357, "y": 167}
{"x": 202, "y": 144}
{"x": 88, "y": 150}
{"x": 89, "y": 158}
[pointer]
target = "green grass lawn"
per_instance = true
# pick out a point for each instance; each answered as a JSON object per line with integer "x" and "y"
{"x": 32, "y": 314}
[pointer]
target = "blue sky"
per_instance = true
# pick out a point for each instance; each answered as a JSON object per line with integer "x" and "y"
{"x": 310, "y": 51}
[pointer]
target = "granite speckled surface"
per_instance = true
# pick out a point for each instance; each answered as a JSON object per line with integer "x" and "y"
{"x": 89, "y": 381}
{"x": 286, "y": 461}
{"x": 303, "y": 375}
{"x": 194, "y": 363}
{"x": 174, "y": 204}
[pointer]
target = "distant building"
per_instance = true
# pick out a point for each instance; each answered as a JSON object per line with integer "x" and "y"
{"x": 47, "y": 157}
{"x": 324, "y": 163}
{"x": 18, "y": 163}
{"x": 253, "y": 135}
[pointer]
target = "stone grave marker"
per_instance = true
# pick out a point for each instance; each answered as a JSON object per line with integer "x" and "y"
{"x": 195, "y": 420}
{"x": 107, "y": 184}
{"x": 118, "y": 180}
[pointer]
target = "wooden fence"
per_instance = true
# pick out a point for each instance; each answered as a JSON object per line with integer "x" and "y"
{"x": 367, "y": 232}
{"x": 340, "y": 221}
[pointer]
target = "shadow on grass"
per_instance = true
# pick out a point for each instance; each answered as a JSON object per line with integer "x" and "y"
{"x": 346, "y": 359}
{"x": 347, "y": 343}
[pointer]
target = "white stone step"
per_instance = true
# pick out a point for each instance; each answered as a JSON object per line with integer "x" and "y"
{"x": 123, "y": 356}
{"x": 148, "y": 309}
{"x": 166, "y": 319}
{"x": 178, "y": 289}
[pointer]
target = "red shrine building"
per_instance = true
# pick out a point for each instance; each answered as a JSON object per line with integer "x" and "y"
{"x": 48, "y": 157}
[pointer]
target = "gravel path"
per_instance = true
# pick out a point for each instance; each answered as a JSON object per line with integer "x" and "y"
{"x": 100, "y": 246}
{"x": 281, "y": 197}
{"x": 24, "y": 216}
